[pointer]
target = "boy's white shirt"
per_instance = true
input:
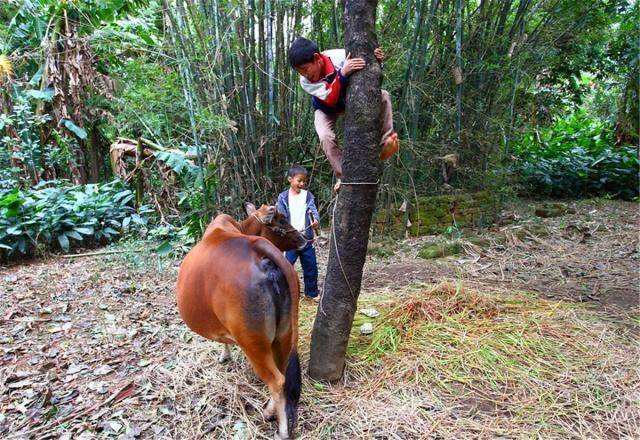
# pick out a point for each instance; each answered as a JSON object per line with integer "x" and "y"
{"x": 319, "y": 89}
{"x": 298, "y": 209}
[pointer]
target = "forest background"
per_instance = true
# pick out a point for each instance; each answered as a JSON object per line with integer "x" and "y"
{"x": 148, "y": 117}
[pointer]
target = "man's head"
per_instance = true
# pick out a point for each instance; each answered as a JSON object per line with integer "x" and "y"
{"x": 305, "y": 58}
{"x": 297, "y": 177}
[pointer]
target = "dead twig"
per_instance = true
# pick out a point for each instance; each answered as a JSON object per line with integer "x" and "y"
{"x": 93, "y": 254}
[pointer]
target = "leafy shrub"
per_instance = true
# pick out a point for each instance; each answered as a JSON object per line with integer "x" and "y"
{"x": 576, "y": 157}
{"x": 20, "y": 142}
{"x": 173, "y": 241}
{"x": 57, "y": 216}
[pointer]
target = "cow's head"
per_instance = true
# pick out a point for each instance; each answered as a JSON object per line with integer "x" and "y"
{"x": 274, "y": 227}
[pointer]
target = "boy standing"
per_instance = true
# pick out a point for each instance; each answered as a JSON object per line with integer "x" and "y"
{"x": 324, "y": 75}
{"x": 298, "y": 206}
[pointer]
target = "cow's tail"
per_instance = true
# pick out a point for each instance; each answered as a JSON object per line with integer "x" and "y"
{"x": 293, "y": 377}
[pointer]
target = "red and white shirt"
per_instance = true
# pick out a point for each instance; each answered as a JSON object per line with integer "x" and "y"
{"x": 328, "y": 93}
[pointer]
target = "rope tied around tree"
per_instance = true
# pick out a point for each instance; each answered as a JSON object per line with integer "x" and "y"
{"x": 335, "y": 242}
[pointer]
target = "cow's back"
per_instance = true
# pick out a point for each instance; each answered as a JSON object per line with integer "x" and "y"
{"x": 211, "y": 280}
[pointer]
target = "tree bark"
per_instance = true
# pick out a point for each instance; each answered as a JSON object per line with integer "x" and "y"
{"x": 138, "y": 171}
{"x": 356, "y": 200}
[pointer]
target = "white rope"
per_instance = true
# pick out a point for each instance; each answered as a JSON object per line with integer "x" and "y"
{"x": 360, "y": 183}
{"x": 258, "y": 218}
{"x": 335, "y": 242}
{"x": 288, "y": 230}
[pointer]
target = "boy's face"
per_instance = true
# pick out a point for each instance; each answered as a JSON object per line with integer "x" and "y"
{"x": 297, "y": 182}
{"x": 313, "y": 69}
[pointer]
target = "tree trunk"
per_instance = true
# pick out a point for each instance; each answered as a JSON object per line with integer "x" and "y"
{"x": 95, "y": 153}
{"x": 139, "y": 175}
{"x": 356, "y": 200}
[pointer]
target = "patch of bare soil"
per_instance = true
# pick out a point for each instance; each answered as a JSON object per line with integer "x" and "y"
{"x": 94, "y": 347}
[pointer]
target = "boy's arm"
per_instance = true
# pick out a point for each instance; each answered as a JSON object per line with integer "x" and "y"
{"x": 312, "y": 207}
{"x": 280, "y": 206}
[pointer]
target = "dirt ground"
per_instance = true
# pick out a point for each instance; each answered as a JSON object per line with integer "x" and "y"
{"x": 589, "y": 256}
{"x": 94, "y": 348}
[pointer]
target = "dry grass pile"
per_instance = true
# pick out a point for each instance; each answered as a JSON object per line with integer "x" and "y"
{"x": 440, "y": 303}
{"x": 442, "y": 362}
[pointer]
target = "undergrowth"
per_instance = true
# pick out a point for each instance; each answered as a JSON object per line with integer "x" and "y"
{"x": 442, "y": 362}
{"x": 576, "y": 157}
{"x": 59, "y": 216}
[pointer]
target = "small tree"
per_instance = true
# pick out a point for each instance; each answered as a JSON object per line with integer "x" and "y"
{"x": 356, "y": 200}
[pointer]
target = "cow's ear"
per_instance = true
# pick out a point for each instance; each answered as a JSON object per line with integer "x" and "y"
{"x": 271, "y": 212}
{"x": 250, "y": 208}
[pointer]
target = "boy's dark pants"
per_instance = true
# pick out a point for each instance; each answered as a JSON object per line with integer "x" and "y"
{"x": 309, "y": 268}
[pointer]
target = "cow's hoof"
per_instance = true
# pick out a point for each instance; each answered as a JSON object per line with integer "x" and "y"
{"x": 269, "y": 414}
{"x": 225, "y": 356}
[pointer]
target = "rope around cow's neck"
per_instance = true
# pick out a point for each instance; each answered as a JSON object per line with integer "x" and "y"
{"x": 335, "y": 242}
{"x": 258, "y": 218}
{"x": 288, "y": 230}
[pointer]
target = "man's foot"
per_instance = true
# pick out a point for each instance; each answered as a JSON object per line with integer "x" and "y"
{"x": 391, "y": 146}
{"x": 336, "y": 187}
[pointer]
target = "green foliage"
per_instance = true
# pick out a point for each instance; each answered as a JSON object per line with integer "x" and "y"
{"x": 30, "y": 17}
{"x": 440, "y": 249}
{"x": 26, "y": 147}
{"x": 150, "y": 100}
{"x": 443, "y": 214}
{"x": 209, "y": 74}
{"x": 21, "y": 143}
{"x": 177, "y": 162}
{"x": 174, "y": 241}
{"x": 133, "y": 32}
{"x": 574, "y": 157}
{"x": 44, "y": 95}
{"x": 55, "y": 215}
{"x": 78, "y": 131}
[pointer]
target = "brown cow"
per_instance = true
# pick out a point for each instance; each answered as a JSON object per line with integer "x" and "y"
{"x": 236, "y": 287}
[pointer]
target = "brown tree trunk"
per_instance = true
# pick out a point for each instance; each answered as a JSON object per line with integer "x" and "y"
{"x": 95, "y": 153}
{"x": 356, "y": 200}
{"x": 139, "y": 175}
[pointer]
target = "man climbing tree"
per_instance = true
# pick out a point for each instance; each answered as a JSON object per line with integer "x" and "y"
{"x": 356, "y": 199}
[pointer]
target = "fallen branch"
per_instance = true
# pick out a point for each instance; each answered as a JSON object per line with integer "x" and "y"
{"x": 153, "y": 146}
{"x": 91, "y": 254}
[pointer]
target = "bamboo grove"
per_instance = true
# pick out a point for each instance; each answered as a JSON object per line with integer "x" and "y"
{"x": 210, "y": 79}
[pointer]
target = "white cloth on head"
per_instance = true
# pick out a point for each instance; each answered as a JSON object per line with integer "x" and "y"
{"x": 298, "y": 209}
